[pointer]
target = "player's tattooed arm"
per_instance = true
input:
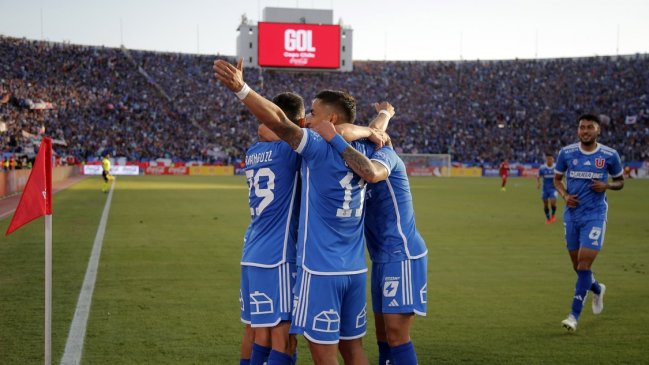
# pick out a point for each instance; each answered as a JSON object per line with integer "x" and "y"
{"x": 370, "y": 171}
{"x": 571, "y": 200}
{"x": 263, "y": 109}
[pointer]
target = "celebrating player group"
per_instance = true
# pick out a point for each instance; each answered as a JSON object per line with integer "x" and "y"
{"x": 321, "y": 193}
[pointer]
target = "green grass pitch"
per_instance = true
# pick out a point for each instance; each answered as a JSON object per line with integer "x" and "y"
{"x": 499, "y": 283}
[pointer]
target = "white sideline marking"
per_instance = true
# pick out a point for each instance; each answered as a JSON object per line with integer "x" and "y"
{"x": 74, "y": 344}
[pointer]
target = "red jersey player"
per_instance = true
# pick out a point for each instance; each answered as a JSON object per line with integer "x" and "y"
{"x": 503, "y": 172}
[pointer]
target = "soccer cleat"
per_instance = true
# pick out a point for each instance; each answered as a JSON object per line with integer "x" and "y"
{"x": 503, "y": 189}
{"x": 570, "y": 323}
{"x": 598, "y": 300}
{"x": 547, "y": 221}
{"x": 554, "y": 218}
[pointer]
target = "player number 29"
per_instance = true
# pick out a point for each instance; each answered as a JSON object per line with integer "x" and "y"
{"x": 266, "y": 194}
{"x": 346, "y": 183}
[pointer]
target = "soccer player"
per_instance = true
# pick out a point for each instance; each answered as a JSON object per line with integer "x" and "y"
{"x": 268, "y": 261}
{"x": 503, "y": 171}
{"x": 397, "y": 250}
{"x": 587, "y": 166}
{"x": 105, "y": 173}
{"x": 549, "y": 193}
{"x": 331, "y": 303}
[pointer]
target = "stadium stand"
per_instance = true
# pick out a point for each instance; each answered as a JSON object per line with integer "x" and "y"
{"x": 148, "y": 105}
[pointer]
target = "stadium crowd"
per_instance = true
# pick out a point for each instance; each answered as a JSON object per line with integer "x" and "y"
{"x": 147, "y": 105}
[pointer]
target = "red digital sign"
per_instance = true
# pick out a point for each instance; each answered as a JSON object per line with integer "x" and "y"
{"x": 299, "y": 45}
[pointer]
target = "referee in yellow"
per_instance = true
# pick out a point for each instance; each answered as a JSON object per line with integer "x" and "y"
{"x": 105, "y": 164}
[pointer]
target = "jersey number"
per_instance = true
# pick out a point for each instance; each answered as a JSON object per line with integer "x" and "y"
{"x": 346, "y": 183}
{"x": 266, "y": 194}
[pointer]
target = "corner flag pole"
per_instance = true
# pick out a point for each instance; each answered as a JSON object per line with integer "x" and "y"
{"x": 35, "y": 202}
{"x": 48, "y": 289}
{"x": 48, "y": 250}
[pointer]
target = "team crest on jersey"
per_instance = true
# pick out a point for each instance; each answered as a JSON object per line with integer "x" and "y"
{"x": 575, "y": 162}
{"x": 599, "y": 162}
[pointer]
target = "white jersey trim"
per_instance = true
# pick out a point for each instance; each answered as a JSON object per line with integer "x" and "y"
{"x": 289, "y": 216}
{"x": 263, "y": 266}
{"x": 333, "y": 273}
{"x": 352, "y": 337}
{"x": 303, "y": 142}
{"x": 264, "y": 325}
{"x": 384, "y": 164}
{"x": 320, "y": 342}
{"x": 306, "y": 214}
{"x": 591, "y": 152}
{"x": 403, "y": 236}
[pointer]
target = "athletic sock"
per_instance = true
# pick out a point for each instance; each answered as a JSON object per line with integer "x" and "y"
{"x": 584, "y": 282}
{"x": 244, "y": 362}
{"x": 259, "y": 354}
{"x": 279, "y": 358}
{"x": 595, "y": 287}
{"x": 547, "y": 213}
{"x": 384, "y": 352}
{"x": 404, "y": 354}
{"x": 554, "y": 210}
{"x": 294, "y": 357}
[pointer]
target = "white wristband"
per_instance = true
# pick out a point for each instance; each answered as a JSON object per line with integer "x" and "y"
{"x": 387, "y": 113}
{"x": 241, "y": 94}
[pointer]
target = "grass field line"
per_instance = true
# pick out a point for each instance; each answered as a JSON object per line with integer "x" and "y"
{"x": 74, "y": 344}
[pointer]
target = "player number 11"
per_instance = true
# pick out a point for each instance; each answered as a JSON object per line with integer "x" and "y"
{"x": 346, "y": 183}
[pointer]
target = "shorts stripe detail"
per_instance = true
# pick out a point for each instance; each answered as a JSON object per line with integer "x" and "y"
{"x": 297, "y": 317}
{"x": 302, "y": 303}
{"x": 406, "y": 282}
{"x": 280, "y": 285}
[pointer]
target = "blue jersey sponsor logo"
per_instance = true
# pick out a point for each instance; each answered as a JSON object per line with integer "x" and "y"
{"x": 582, "y": 168}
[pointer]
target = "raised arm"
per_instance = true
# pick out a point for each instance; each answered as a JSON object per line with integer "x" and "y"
{"x": 384, "y": 111}
{"x": 370, "y": 171}
{"x": 263, "y": 109}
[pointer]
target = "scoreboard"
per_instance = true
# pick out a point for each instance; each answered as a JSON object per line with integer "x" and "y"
{"x": 295, "y": 39}
{"x": 298, "y": 45}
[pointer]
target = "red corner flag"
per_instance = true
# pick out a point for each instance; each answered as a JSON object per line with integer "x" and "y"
{"x": 36, "y": 200}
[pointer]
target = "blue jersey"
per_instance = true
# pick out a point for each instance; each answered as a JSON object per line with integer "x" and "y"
{"x": 330, "y": 236}
{"x": 390, "y": 228}
{"x": 272, "y": 171}
{"x": 580, "y": 169}
{"x": 547, "y": 174}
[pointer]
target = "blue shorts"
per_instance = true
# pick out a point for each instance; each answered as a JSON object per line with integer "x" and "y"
{"x": 330, "y": 308}
{"x": 400, "y": 287}
{"x": 588, "y": 234}
{"x": 266, "y": 294}
{"x": 549, "y": 194}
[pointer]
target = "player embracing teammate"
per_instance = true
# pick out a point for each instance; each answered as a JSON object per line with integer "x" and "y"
{"x": 330, "y": 308}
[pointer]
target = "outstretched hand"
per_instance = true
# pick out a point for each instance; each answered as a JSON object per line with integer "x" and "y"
{"x": 384, "y": 105}
{"x": 230, "y": 76}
